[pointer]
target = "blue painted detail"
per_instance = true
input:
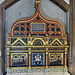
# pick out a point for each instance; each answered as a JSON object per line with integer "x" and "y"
{"x": 53, "y": 29}
{"x": 19, "y": 34}
{"x": 22, "y": 29}
{"x": 22, "y": 23}
{"x": 57, "y": 29}
{"x": 37, "y": 59}
{"x": 16, "y": 29}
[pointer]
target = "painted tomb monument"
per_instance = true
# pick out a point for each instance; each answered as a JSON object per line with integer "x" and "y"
{"x": 37, "y": 45}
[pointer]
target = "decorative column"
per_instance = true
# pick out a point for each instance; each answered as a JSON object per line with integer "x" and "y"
{"x": 46, "y": 39}
{"x": 46, "y": 51}
{"x": 29, "y": 42}
{"x": 66, "y": 57}
{"x": 8, "y": 52}
{"x": 8, "y": 40}
{"x": 46, "y": 58}
{"x": 65, "y": 43}
{"x": 29, "y": 58}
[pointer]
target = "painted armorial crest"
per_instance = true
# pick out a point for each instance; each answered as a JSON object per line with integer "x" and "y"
{"x": 36, "y": 43}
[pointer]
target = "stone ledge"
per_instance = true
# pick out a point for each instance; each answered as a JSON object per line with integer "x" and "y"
{"x": 40, "y": 70}
{"x": 56, "y": 73}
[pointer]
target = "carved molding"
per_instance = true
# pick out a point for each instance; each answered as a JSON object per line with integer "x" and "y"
{"x": 8, "y": 3}
{"x": 62, "y": 4}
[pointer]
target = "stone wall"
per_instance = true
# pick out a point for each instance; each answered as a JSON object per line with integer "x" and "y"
{"x": 52, "y": 11}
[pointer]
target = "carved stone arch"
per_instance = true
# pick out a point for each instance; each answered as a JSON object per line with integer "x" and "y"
{"x": 62, "y": 4}
{"x": 38, "y": 40}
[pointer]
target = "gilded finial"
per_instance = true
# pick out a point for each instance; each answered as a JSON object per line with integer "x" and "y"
{"x": 37, "y": 2}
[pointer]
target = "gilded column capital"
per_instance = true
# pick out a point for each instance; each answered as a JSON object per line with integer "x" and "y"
{"x": 29, "y": 53}
{"x": 65, "y": 40}
{"x": 46, "y": 52}
{"x": 66, "y": 50}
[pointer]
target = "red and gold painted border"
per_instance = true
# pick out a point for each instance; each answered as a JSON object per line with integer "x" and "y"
{"x": 32, "y": 19}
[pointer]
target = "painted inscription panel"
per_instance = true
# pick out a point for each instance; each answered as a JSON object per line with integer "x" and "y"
{"x": 38, "y": 26}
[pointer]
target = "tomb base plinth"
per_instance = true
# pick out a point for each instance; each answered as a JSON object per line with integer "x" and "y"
{"x": 56, "y": 73}
{"x": 40, "y": 71}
